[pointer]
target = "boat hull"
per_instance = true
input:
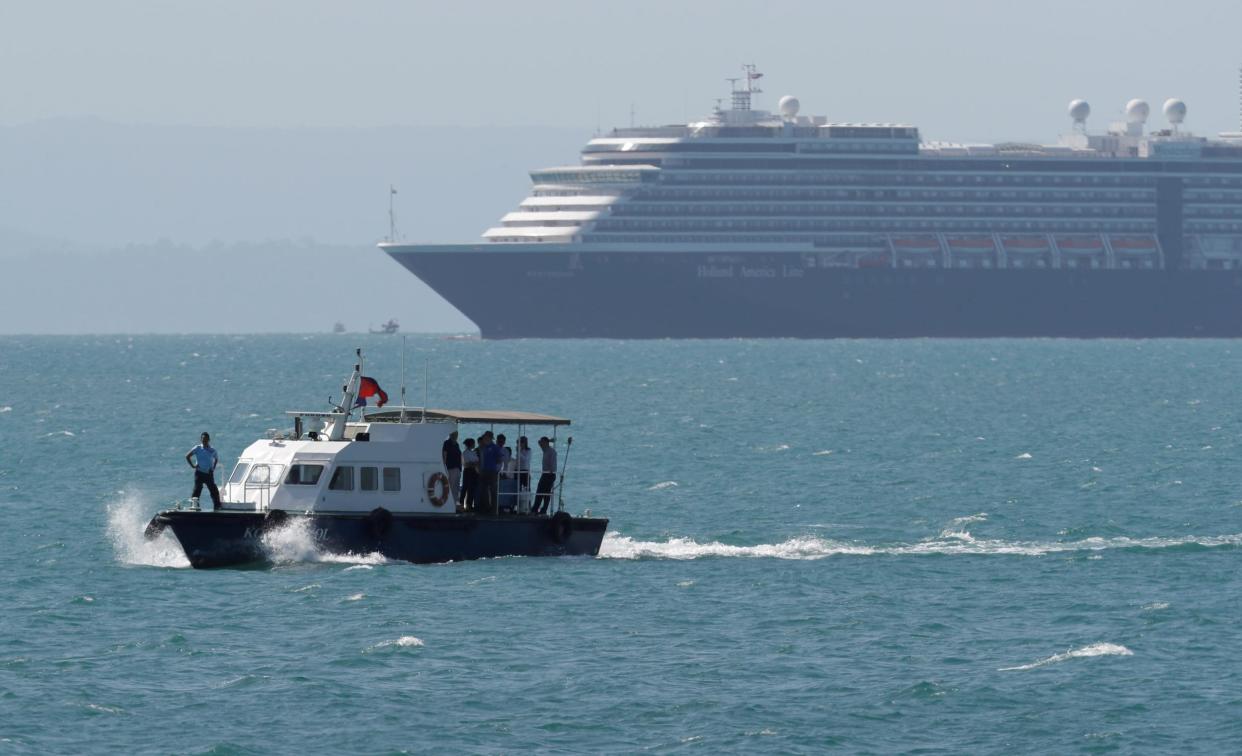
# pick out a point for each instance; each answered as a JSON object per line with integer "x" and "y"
{"x": 226, "y": 538}
{"x": 559, "y": 293}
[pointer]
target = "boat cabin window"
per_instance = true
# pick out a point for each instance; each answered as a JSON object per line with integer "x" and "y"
{"x": 239, "y": 472}
{"x": 342, "y": 479}
{"x": 368, "y": 478}
{"x": 392, "y": 478}
{"x": 304, "y": 475}
{"x": 264, "y": 475}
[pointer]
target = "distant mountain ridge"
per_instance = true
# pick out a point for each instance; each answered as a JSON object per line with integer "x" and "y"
{"x": 102, "y": 183}
{"x": 252, "y": 287}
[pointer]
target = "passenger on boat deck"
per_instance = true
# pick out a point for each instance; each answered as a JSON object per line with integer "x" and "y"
{"x": 489, "y": 473}
{"x": 506, "y": 455}
{"x": 543, "y": 493}
{"x": 203, "y": 459}
{"x": 450, "y": 453}
{"x": 523, "y": 464}
{"x": 469, "y": 474}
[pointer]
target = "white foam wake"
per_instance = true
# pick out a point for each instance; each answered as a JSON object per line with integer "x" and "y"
{"x": 294, "y": 542}
{"x": 663, "y": 485}
{"x": 405, "y": 641}
{"x": 1095, "y": 649}
{"x": 618, "y": 546}
{"x": 127, "y": 521}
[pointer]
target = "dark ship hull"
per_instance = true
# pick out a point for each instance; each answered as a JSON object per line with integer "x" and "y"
{"x": 224, "y": 539}
{"x": 513, "y": 293}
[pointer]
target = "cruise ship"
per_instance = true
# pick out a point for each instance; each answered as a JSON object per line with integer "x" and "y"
{"x": 752, "y": 223}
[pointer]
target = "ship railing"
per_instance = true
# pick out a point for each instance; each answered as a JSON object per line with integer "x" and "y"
{"x": 516, "y": 489}
{"x": 258, "y": 494}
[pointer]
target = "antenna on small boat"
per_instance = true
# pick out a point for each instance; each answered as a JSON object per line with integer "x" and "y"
{"x": 560, "y": 491}
{"x": 403, "y": 377}
{"x": 426, "y": 386}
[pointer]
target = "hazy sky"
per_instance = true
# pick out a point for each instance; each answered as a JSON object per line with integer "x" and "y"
{"x": 254, "y": 123}
{"x": 978, "y": 69}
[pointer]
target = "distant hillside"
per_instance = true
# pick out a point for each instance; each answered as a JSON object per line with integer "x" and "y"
{"x": 265, "y": 287}
{"x": 101, "y": 183}
{"x": 114, "y": 228}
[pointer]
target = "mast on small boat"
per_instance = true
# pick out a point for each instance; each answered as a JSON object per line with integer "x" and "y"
{"x": 336, "y": 431}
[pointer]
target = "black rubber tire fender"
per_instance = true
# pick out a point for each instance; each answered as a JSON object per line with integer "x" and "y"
{"x": 273, "y": 519}
{"x": 380, "y": 522}
{"x": 561, "y": 527}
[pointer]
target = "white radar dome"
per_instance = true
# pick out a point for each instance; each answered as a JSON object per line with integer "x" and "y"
{"x": 789, "y": 106}
{"x": 1175, "y": 110}
{"x": 1137, "y": 111}
{"x": 1079, "y": 110}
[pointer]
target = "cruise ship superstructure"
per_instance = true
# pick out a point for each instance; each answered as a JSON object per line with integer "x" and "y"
{"x": 759, "y": 224}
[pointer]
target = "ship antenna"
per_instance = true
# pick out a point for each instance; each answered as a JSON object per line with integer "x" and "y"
{"x": 426, "y": 385}
{"x": 560, "y": 490}
{"x": 403, "y": 377}
{"x": 392, "y": 217}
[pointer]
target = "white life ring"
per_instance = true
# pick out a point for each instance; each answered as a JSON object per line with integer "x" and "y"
{"x": 438, "y": 489}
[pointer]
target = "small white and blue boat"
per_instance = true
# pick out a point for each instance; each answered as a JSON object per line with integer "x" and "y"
{"x": 375, "y": 484}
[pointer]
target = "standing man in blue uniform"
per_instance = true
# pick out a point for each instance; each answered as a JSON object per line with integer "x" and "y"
{"x": 489, "y": 473}
{"x": 203, "y": 459}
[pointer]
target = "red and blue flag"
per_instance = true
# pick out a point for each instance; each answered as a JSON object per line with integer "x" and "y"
{"x": 370, "y": 387}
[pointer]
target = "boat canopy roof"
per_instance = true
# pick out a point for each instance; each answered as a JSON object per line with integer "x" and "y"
{"x": 481, "y": 417}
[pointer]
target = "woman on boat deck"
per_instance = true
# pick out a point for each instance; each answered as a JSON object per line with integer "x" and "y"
{"x": 203, "y": 459}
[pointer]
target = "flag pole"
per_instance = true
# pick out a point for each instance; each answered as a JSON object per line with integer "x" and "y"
{"x": 403, "y": 377}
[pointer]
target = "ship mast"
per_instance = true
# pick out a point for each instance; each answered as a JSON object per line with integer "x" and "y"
{"x": 742, "y": 94}
{"x": 392, "y": 217}
{"x": 336, "y": 431}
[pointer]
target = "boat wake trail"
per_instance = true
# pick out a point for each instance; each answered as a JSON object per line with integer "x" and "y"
{"x": 127, "y": 519}
{"x": 951, "y": 543}
{"x": 294, "y": 543}
{"x": 1095, "y": 649}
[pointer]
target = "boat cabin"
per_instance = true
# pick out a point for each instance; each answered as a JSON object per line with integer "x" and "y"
{"x": 391, "y": 458}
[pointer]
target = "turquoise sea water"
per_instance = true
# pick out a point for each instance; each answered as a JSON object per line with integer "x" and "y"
{"x": 933, "y": 546}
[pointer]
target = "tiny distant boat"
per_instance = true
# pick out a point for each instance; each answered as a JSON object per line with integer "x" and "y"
{"x": 388, "y": 328}
{"x": 376, "y": 484}
{"x": 338, "y": 327}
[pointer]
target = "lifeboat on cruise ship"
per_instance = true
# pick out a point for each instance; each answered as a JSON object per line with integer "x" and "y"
{"x": 1138, "y": 245}
{"x": 972, "y": 251}
{"x": 924, "y": 244}
{"x": 1026, "y": 244}
{"x": 916, "y": 251}
{"x": 1027, "y": 251}
{"x": 1086, "y": 245}
{"x": 971, "y": 244}
{"x": 1135, "y": 251}
{"x": 1081, "y": 251}
{"x": 875, "y": 260}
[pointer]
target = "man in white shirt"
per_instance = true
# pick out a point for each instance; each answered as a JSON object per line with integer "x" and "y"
{"x": 543, "y": 494}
